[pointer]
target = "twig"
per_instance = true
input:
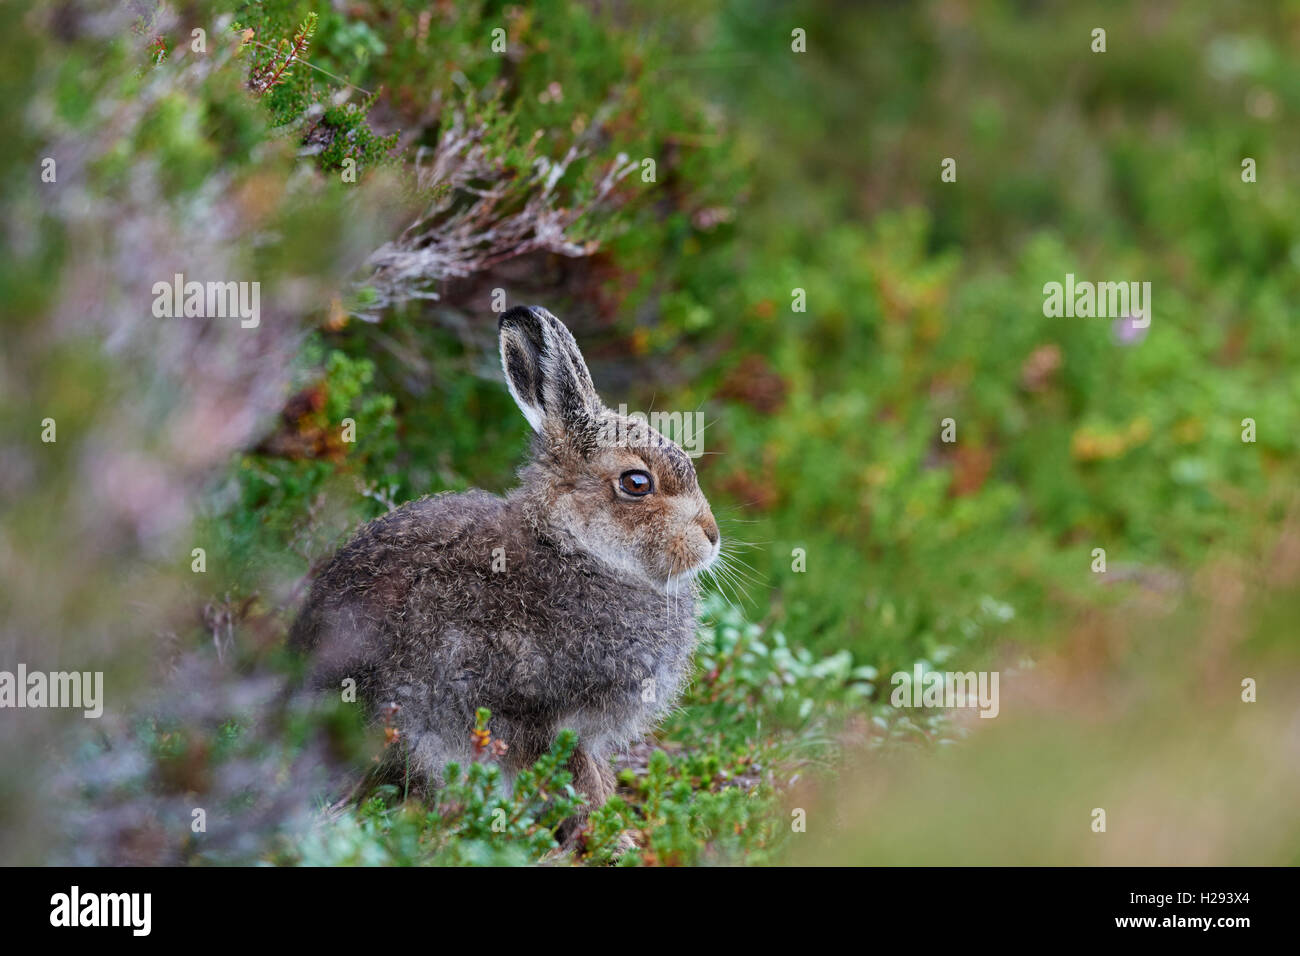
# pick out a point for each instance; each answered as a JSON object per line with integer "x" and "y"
{"x": 333, "y": 76}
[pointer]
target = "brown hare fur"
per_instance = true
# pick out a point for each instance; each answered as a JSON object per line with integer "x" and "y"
{"x": 567, "y": 603}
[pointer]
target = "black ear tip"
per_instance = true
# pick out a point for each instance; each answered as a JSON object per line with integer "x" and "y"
{"x": 520, "y": 315}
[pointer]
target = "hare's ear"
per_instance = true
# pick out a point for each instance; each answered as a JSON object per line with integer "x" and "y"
{"x": 545, "y": 371}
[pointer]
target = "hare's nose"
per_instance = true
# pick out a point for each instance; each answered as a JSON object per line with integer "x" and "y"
{"x": 710, "y": 528}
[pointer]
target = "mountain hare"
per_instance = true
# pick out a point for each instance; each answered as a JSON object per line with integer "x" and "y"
{"x": 569, "y": 603}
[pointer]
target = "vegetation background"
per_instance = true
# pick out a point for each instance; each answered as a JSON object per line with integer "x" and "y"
{"x": 381, "y": 169}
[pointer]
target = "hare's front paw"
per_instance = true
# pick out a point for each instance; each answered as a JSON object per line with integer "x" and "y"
{"x": 624, "y": 844}
{"x": 573, "y": 842}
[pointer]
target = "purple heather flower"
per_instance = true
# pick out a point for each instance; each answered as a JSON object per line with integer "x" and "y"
{"x": 1127, "y": 333}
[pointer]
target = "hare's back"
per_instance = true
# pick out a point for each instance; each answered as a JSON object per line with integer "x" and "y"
{"x": 369, "y": 580}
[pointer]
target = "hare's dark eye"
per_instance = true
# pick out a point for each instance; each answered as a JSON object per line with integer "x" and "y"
{"x": 635, "y": 483}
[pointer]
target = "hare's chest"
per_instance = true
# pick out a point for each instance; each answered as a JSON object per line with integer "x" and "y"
{"x": 622, "y": 700}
